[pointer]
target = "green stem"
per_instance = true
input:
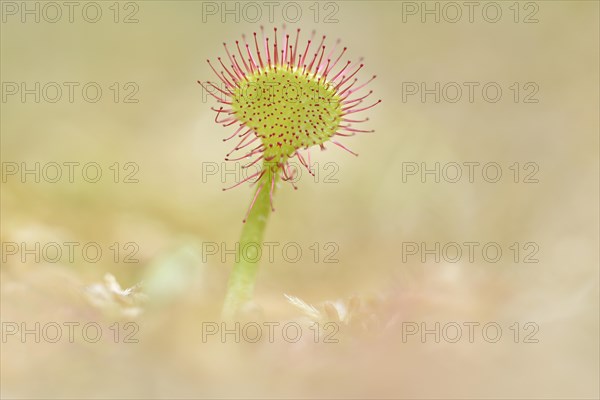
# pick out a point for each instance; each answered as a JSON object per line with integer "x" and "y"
{"x": 241, "y": 281}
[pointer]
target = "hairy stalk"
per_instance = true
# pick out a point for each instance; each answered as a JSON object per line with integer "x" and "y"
{"x": 241, "y": 281}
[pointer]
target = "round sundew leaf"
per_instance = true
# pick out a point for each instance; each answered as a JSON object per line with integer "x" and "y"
{"x": 288, "y": 109}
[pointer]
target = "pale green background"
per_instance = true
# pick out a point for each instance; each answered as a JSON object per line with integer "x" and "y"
{"x": 369, "y": 213}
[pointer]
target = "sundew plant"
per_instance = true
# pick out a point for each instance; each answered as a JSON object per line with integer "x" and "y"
{"x": 281, "y": 98}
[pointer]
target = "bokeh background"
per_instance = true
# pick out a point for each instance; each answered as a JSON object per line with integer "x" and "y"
{"x": 371, "y": 293}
